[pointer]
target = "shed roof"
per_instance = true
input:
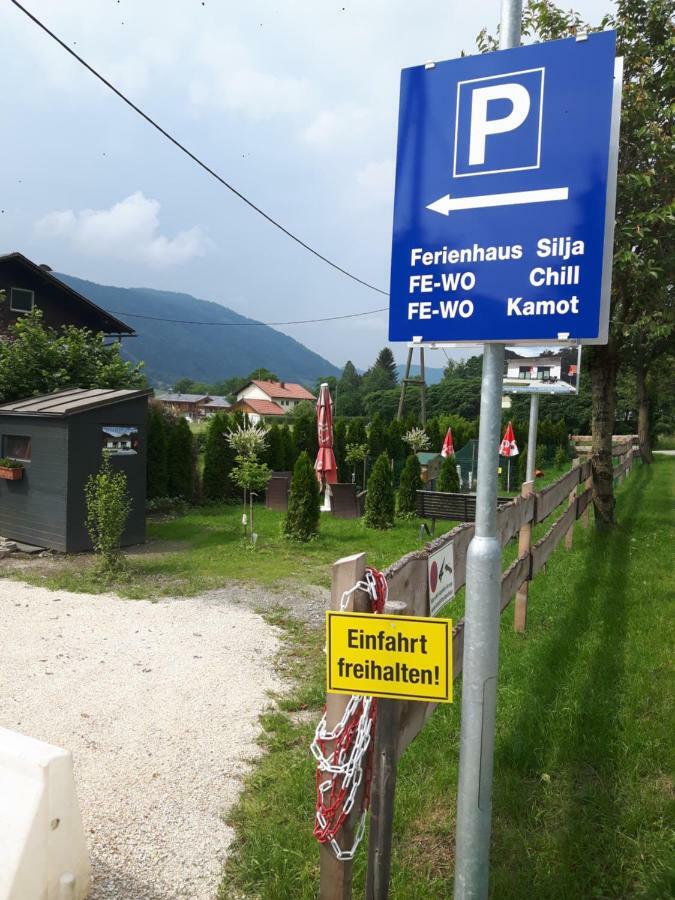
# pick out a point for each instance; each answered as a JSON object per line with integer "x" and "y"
{"x": 426, "y": 458}
{"x": 69, "y": 402}
{"x": 109, "y": 324}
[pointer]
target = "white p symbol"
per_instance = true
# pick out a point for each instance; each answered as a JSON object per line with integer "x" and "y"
{"x": 481, "y": 126}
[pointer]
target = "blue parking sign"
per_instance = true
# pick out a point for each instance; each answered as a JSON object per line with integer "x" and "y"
{"x": 505, "y": 191}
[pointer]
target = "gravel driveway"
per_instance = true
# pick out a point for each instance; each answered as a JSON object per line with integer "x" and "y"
{"x": 158, "y": 703}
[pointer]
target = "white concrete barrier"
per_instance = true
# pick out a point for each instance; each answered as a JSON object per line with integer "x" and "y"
{"x": 43, "y": 853}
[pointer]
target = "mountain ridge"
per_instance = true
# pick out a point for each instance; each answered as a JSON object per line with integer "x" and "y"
{"x": 203, "y": 352}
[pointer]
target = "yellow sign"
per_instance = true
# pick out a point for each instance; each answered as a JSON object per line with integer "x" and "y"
{"x": 400, "y": 657}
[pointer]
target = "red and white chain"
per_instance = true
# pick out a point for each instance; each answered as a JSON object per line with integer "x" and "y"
{"x": 341, "y": 771}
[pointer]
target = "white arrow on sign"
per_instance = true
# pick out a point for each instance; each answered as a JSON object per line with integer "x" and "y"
{"x": 445, "y": 205}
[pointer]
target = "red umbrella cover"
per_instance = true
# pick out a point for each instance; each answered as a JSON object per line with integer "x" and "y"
{"x": 325, "y": 465}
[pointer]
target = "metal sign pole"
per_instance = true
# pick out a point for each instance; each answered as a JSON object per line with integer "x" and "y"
{"x": 532, "y": 437}
{"x": 481, "y": 636}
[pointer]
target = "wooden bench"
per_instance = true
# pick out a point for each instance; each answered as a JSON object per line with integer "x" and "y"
{"x": 455, "y": 507}
{"x": 345, "y": 502}
{"x": 276, "y": 494}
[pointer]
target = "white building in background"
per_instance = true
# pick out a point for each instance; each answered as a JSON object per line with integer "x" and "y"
{"x": 535, "y": 368}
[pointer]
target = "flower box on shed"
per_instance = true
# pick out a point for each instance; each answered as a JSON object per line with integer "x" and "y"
{"x": 11, "y": 473}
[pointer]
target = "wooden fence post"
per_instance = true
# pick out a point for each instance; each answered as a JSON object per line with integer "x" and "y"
{"x": 335, "y": 876}
{"x": 524, "y": 544}
{"x": 569, "y": 536}
{"x": 385, "y": 761}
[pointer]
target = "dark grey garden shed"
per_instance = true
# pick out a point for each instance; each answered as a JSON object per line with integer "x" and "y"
{"x": 59, "y": 439}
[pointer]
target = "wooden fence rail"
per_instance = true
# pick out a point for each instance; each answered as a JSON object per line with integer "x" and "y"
{"x": 408, "y": 584}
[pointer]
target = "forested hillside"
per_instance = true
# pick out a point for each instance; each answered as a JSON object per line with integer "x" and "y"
{"x": 231, "y": 346}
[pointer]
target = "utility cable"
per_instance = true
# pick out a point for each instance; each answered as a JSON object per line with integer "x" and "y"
{"x": 192, "y": 155}
{"x": 369, "y": 312}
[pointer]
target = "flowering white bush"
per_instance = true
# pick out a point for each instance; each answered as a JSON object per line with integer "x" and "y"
{"x": 416, "y": 439}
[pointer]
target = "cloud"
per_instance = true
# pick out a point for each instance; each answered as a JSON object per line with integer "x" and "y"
{"x": 339, "y": 126}
{"x": 375, "y": 181}
{"x": 228, "y": 78}
{"x": 128, "y": 231}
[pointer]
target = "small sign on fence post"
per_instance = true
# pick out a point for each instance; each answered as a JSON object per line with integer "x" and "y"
{"x": 395, "y": 657}
{"x": 441, "y": 567}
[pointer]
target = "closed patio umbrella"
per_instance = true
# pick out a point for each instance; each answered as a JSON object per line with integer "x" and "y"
{"x": 325, "y": 466}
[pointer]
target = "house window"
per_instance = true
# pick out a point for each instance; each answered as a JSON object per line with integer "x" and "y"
{"x": 544, "y": 373}
{"x": 21, "y": 300}
{"x": 524, "y": 372}
{"x": 16, "y": 446}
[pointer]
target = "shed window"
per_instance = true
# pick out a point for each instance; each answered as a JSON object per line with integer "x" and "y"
{"x": 17, "y": 446}
{"x": 21, "y": 300}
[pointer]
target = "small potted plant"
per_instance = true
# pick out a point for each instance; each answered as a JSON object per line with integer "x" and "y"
{"x": 10, "y": 469}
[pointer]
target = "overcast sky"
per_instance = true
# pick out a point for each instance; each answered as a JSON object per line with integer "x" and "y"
{"x": 293, "y": 101}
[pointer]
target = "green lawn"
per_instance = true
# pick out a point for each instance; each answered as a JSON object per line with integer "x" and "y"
{"x": 204, "y": 550}
{"x": 583, "y": 795}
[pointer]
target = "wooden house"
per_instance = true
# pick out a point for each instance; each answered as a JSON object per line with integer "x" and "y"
{"x": 27, "y": 286}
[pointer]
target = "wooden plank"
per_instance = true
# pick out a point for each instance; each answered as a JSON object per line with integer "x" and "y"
{"x": 571, "y": 501}
{"x": 512, "y": 517}
{"x": 514, "y": 577}
{"x": 585, "y": 470}
{"x": 545, "y": 547}
{"x": 336, "y": 876}
{"x": 408, "y": 583}
{"x": 583, "y": 500}
{"x": 553, "y": 495}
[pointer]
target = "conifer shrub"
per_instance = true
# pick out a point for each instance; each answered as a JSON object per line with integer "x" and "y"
{"x": 380, "y": 500}
{"x": 157, "y": 461}
{"x": 181, "y": 464}
{"x": 448, "y": 479}
{"x": 560, "y": 460}
{"x": 276, "y": 454}
{"x": 411, "y": 482}
{"x": 218, "y": 460}
{"x": 290, "y": 454}
{"x": 302, "y": 519}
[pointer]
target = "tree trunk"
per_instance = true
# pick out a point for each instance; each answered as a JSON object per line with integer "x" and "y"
{"x": 644, "y": 437}
{"x": 603, "y": 364}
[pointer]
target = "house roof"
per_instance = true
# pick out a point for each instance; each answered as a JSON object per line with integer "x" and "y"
{"x": 261, "y": 407}
{"x": 110, "y": 324}
{"x": 171, "y": 397}
{"x": 69, "y": 402}
{"x": 217, "y": 403}
{"x": 426, "y": 458}
{"x": 535, "y": 360}
{"x": 283, "y": 390}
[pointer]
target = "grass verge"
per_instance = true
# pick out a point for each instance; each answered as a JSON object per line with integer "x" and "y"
{"x": 583, "y": 791}
{"x": 204, "y": 550}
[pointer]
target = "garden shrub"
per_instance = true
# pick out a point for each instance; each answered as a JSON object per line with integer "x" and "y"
{"x": 380, "y": 500}
{"x": 218, "y": 460}
{"x": 108, "y": 508}
{"x": 411, "y": 482}
{"x": 181, "y": 464}
{"x": 302, "y": 519}
{"x": 448, "y": 479}
{"x": 157, "y": 462}
{"x": 560, "y": 460}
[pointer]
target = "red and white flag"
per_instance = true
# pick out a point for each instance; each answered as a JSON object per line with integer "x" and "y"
{"x": 448, "y": 446}
{"x": 508, "y": 446}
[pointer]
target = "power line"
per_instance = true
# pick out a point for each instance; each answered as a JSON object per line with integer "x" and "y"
{"x": 369, "y": 312}
{"x": 192, "y": 155}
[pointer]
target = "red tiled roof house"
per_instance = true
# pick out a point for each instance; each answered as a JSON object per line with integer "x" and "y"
{"x": 263, "y": 399}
